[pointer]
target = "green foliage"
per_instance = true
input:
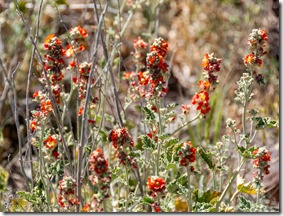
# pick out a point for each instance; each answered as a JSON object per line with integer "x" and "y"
{"x": 149, "y": 115}
{"x": 147, "y": 200}
{"x": 265, "y": 122}
{"x": 209, "y": 196}
{"x": 4, "y": 175}
{"x": 147, "y": 142}
{"x": 36, "y": 197}
{"x": 246, "y": 153}
{"x": 56, "y": 168}
{"x": 203, "y": 207}
{"x": 244, "y": 204}
{"x": 206, "y": 156}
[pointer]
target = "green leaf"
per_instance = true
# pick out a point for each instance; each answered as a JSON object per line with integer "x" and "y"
{"x": 149, "y": 114}
{"x": 206, "y": 197}
{"x": 206, "y": 156}
{"x": 172, "y": 166}
{"x": 246, "y": 153}
{"x": 147, "y": 200}
{"x": 171, "y": 141}
{"x": 203, "y": 207}
{"x": 87, "y": 149}
{"x": 244, "y": 204}
{"x": 147, "y": 142}
{"x": 265, "y": 122}
{"x": 103, "y": 135}
{"x": 136, "y": 153}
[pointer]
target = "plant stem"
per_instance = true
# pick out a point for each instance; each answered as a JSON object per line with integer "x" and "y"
{"x": 160, "y": 132}
{"x": 258, "y": 190}
{"x": 214, "y": 179}
{"x": 84, "y": 116}
{"x": 189, "y": 187}
{"x": 236, "y": 172}
{"x": 127, "y": 189}
{"x": 195, "y": 118}
{"x": 234, "y": 195}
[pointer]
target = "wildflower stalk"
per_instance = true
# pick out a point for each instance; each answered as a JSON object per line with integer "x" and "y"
{"x": 189, "y": 189}
{"x": 48, "y": 85}
{"x": 82, "y": 140}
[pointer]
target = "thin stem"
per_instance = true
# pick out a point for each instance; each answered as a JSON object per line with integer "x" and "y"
{"x": 214, "y": 179}
{"x": 258, "y": 190}
{"x": 189, "y": 122}
{"x": 234, "y": 195}
{"x": 158, "y": 143}
{"x": 127, "y": 189}
{"x": 83, "y": 130}
{"x": 41, "y": 164}
{"x": 189, "y": 188}
{"x": 16, "y": 117}
{"x": 236, "y": 172}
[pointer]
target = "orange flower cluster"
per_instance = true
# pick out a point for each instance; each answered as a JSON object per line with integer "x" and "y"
{"x": 53, "y": 64}
{"x": 66, "y": 198}
{"x": 157, "y": 67}
{"x": 82, "y": 80}
{"x": 45, "y": 108}
{"x": 187, "y": 154}
{"x": 97, "y": 162}
{"x": 257, "y": 42}
{"x": 121, "y": 139}
{"x": 100, "y": 178}
{"x": 262, "y": 157}
{"x": 201, "y": 99}
{"x": 211, "y": 66}
{"x": 77, "y": 35}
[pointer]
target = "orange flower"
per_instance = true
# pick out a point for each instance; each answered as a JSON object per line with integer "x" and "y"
{"x": 46, "y": 106}
{"x": 86, "y": 208}
{"x": 201, "y": 100}
{"x": 205, "y": 61}
{"x": 82, "y": 32}
{"x": 33, "y": 125}
{"x": 69, "y": 51}
{"x": 51, "y": 142}
{"x": 48, "y": 38}
{"x": 204, "y": 85}
{"x": 249, "y": 59}
{"x": 263, "y": 35}
{"x": 156, "y": 184}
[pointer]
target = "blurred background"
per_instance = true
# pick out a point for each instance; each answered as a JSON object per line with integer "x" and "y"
{"x": 191, "y": 27}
